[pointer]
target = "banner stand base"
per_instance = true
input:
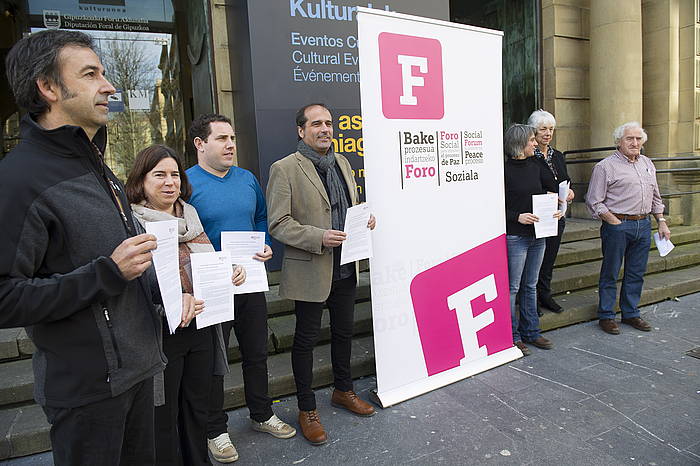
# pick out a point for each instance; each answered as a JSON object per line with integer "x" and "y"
{"x": 374, "y": 398}
{"x": 420, "y": 387}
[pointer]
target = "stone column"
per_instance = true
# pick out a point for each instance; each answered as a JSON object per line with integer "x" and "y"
{"x": 615, "y": 66}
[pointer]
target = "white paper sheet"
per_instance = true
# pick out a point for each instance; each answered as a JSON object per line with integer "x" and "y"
{"x": 358, "y": 244}
{"x": 544, "y": 206}
{"x": 166, "y": 263}
{"x": 211, "y": 280}
{"x": 663, "y": 245}
{"x": 563, "y": 192}
{"x": 243, "y": 245}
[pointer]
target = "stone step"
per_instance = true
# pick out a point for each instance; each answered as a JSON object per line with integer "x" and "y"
{"x": 280, "y": 331}
{"x": 281, "y": 380}
{"x": 280, "y": 306}
{"x": 282, "y": 327}
{"x": 273, "y": 278}
{"x": 9, "y": 349}
{"x": 15, "y": 344}
{"x": 578, "y": 229}
{"x": 582, "y": 305}
{"x": 584, "y": 275}
{"x": 24, "y": 430}
{"x": 570, "y": 278}
{"x": 17, "y": 382}
{"x": 585, "y": 247}
{"x": 589, "y": 249}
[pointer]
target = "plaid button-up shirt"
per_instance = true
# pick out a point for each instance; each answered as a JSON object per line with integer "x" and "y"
{"x": 621, "y": 186}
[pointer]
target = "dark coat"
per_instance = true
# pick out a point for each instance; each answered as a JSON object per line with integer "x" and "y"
{"x": 96, "y": 334}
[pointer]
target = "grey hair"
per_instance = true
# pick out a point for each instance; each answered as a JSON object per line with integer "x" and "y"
{"x": 620, "y": 132}
{"x": 540, "y": 118}
{"x": 35, "y": 58}
{"x": 516, "y": 138}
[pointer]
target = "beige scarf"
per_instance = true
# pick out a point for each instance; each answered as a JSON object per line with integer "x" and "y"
{"x": 190, "y": 234}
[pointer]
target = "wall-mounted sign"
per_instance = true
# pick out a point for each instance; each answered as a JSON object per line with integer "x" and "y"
{"x": 139, "y": 99}
{"x": 303, "y": 52}
{"x": 103, "y": 15}
{"x": 115, "y": 102}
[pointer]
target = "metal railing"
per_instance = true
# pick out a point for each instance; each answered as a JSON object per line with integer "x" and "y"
{"x": 653, "y": 159}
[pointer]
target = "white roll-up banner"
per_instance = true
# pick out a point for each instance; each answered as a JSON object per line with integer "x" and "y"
{"x": 432, "y": 126}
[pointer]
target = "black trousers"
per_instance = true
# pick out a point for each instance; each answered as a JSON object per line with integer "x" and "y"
{"x": 115, "y": 431}
{"x": 544, "y": 281}
{"x": 181, "y": 423}
{"x": 341, "y": 306}
{"x": 250, "y": 326}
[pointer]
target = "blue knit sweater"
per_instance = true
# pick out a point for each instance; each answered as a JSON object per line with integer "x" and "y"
{"x": 232, "y": 203}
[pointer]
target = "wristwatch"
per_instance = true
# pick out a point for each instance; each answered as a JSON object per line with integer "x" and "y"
{"x": 660, "y": 219}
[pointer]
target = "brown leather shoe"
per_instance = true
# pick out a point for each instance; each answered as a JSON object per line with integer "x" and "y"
{"x": 638, "y": 323}
{"x": 609, "y": 326}
{"x": 542, "y": 343}
{"x": 350, "y": 401}
{"x": 311, "y": 427}
{"x": 523, "y": 348}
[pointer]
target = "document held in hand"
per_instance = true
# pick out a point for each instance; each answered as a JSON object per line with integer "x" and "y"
{"x": 358, "y": 244}
{"x": 663, "y": 245}
{"x": 545, "y": 206}
{"x": 167, "y": 266}
{"x": 243, "y": 245}
{"x": 211, "y": 280}
{"x": 563, "y": 193}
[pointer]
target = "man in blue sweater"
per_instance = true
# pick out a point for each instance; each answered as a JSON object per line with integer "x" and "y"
{"x": 229, "y": 198}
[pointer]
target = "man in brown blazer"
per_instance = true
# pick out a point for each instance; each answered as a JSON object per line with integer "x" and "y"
{"x": 308, "y": 195}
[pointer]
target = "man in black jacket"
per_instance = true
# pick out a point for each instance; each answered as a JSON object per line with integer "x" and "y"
{"x": 71, "y": 265}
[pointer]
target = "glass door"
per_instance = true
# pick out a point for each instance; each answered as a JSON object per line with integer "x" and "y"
{"x": 137, "y": 43}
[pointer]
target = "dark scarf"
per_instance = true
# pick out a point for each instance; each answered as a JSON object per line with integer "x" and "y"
{"x": 547, "y": 159}
{"x": 325, "y": 164}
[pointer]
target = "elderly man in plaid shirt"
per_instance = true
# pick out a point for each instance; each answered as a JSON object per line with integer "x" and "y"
{"x": 623, "y": 193}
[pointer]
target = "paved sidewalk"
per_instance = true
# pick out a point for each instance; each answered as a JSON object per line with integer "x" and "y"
{"x": 595, "y": 399}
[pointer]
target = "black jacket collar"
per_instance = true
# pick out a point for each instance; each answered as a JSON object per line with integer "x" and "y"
{"x": 67, "y": 140}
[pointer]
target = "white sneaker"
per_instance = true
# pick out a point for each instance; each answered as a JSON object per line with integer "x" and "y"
{"x": 222, "y": 449}
{"x": 275, "y": 427}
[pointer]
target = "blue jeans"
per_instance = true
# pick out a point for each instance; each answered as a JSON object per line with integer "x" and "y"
{"x": 525, "y": 255}
{"x": 628, "y": 241}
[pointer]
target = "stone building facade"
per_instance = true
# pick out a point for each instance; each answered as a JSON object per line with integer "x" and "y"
{"x": 608, "y": 62}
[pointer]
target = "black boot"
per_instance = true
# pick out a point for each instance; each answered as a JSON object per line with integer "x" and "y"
{"x": 549, "y": 303}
